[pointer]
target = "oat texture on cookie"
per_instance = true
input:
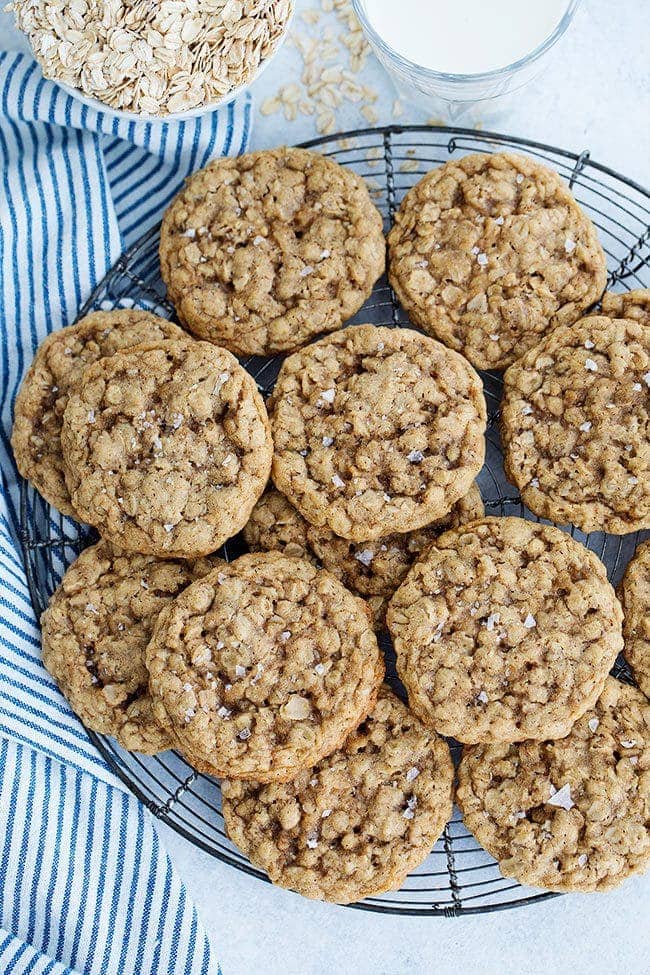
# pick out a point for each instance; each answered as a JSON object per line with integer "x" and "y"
{"x": 634, "y": 305}
{"x": 56, "y": 370}
{"x": 263, "y": 667}
{"x": 376, "y": 431}
{"x": 575, "y": 423}
{"x": 167, "y": 448}
{"x": 567, "y": 815}
{"x": 276, "y": 526}
{"x": 505, "y": 630}
{"x": 360, "y": 820}
{"x": 634, "y": 593}
{"x": 489, "y": 251}
{"x": 95, "y": 630}
{"x": 263, "y": 252}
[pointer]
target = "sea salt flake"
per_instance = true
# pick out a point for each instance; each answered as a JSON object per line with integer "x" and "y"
{"x": 312, "y": 841}
{"x": 189, "y": 714}
{"x": 482, "y": 259}
{"x": 422, "y": 264}
{"x": 143, "y": 584}
{"x": 257, "y": 240}
{"x": 494, "y": 336}
{"x": 190, "y": 232}
{"x": 569, "y": 245}
{"x": 519, "y": 178}
{"x": 530, "y": 621}
{"x": 412, "y": 774}
{"x": 593, "y": 724}
{"x": 306, "y": 271}
{"x": 387, "y": 497}
{"x": 590, "y": 365}
{"x": 520, "y": 814}
{"x": 169, "y": 528}
{"x": 589, "y": 344}
{"x": 325, "y": 813}
{"x": 244, "y": 734}
{"x": 91, "y": 608}
{"x": 476, "y": 250}
{"x": 633, "y": 480}
{"x": 415, "y": 457}
{"x": 328, "y": 395}
{"x": 328, "y": 441}
{"x": 499, "y": 221}
{"x": 324, "y": 255}
{"x": 526, "y": 410}
{"x": 91, "y": 416}
{"x": 561, "y": 797}
{"x": 582, "y": 859}
{"x": 646, "y": 379}
{"x": 284, "y": 636}
{"x": 240, "y": 671}
{"x": 338, "y": 481}
{"x": 482, "y": 697}
{"x": 585, "y": 427}
{"x": 365, "y": 557}
{"x": 636, "y": 387}
{"x": 319, "y": 669}
{"x": 411, "y": 803}
{"x": 491, "y": 620}
{"x": 628, "y": 743}
{"x": 634, "y": 759}
{"x": 534, "y": 482}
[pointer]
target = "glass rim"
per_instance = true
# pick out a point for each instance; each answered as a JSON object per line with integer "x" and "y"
{"x": 411, "y": 66}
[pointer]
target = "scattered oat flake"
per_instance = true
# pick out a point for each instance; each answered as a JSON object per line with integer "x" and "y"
{"x": 561, "y": 797}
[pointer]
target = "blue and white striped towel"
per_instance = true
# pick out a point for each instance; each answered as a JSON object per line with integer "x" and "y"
{"x": 84, "y": 883}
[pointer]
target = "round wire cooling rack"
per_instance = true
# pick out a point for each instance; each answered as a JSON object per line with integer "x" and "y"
{"x": 458, "y": 877}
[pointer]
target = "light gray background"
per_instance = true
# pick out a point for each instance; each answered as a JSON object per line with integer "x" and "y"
{"x": 595, "y": 95}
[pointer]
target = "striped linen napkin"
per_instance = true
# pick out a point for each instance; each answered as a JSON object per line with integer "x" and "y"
{"x": 84, "y": 883}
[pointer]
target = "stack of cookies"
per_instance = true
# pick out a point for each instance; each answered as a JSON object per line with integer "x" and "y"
{"x": 266, "y": 671}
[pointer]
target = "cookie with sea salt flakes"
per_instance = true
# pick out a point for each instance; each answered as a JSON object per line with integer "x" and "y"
{"x": 505, "y": 630}
{"x": 95, "y": 631}
{"x": 489, "y": 252}
{"x": 634, "y": 593}
{"x": 263, "y": 252}
{"x": 56, "y": 370}
{"x": 376, "y": 431}
{"x": 575, "y": 424}
{"x": 567, "y": 815}
{"x": 360, "y": 820}
{"x": 263, "y": 667}
{"x": 167, "y": 448}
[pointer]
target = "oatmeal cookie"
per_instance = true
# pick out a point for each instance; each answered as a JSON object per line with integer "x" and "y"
{"x": 263, "y": 252}
{"x": 376, "y": 431}
{"x": 167, "y": 448}
{"x": 634, "y": 305}
{"x": 358, "y": 822}
{"x": 56, "y": 370}
{"x": 568, "y": 815}
{"x": 276, "y": 526}
{"x": 490, "y": 251}
{"x": 634, "y": 593}
{"x": 505, "y": 630}
{"x": 263, "y": 667}
{"x": 575, "y": 423}
{"x": 95, "y": 631}
{"x": 372, "y": 570}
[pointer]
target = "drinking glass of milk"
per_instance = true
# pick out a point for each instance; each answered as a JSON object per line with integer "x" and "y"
{"x": 462, "y": 57}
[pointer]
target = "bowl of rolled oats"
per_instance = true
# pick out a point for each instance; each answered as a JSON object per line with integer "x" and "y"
{"x": 154, "y": 61}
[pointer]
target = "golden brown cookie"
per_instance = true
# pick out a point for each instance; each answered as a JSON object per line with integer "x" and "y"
{"x": 276, "y": 526}
{"x": 505, "y": 630}
{"x": 263, "y": 252}
{"x": 56, "y": 370}
{"x": 167, "y": 448}
{"x": 376, "y": 431}
{"x": 490, "y": 251}
{"x": 263, "y": 667}
{"x": 634, "y": 305}
{"x": 95, "y": 631}
{"x": 358, "y": 822}
{"x": 634, "y": 593}
{"x": 568, "y": 815}
{"x": 575, "y": 424}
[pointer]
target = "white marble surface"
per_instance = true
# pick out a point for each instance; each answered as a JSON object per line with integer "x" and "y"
{"x": 596, "y": 96}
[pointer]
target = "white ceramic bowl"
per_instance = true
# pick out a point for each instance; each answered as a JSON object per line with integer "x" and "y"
{"x": 100, "y": 106}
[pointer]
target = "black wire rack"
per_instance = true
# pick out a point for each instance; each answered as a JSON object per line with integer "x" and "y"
{"x": 458, "y": 877}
